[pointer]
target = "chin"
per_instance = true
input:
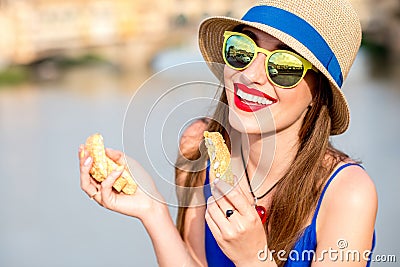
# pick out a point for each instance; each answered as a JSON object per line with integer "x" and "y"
{"x": 252, "y": 126}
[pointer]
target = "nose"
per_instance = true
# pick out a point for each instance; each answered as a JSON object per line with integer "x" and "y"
{"x": 256, "y": 72}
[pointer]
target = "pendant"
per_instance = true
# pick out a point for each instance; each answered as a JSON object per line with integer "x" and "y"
{"x": 262, "y": 213}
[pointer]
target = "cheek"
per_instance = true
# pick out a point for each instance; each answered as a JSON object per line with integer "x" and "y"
{"x": 293, "y": 104}
{"x": 299, "y": 97}
{"x": 228, "y": 75}
{"x": 229, "y": 96}
{"x": 305, "y": 95}
{"x": 291, "y": 110}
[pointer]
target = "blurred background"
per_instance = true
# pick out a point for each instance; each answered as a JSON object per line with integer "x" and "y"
{"x": 69, "y": 69}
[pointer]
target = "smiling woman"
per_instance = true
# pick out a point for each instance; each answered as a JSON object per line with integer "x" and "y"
{"x": 292, "y": 81}
{"x": 282, "y": 67}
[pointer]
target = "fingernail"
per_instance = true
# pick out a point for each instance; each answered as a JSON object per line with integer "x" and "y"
{"x": 87, "y": 161}
{"x": 216, "y": 180}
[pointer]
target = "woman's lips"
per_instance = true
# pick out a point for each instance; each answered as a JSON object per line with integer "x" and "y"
{"x": 251, "y": 100}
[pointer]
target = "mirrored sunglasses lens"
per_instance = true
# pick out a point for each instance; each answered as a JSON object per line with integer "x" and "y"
{"x": 239, "y": 51}
{"x": 285, "y": 69}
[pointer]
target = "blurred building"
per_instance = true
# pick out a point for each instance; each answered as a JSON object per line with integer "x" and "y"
{"x": 380, "y": 21}
{"x": 35, "y": 29}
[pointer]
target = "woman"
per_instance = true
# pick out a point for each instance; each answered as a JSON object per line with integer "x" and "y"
{"x": 282, "y": 66}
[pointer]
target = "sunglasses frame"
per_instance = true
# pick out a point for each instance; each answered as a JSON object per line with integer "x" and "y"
{"x": 306, "y": 64}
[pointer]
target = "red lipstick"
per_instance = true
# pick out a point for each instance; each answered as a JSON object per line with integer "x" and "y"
{"x": 251, "y": 100}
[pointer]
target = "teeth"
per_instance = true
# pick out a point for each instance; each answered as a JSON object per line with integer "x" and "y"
{"x": 259, "y": 100}
{"x": 247, "y": 96}
{"x": 239, "y": 93}
{"x": 264, "y": 101}
{"x": 253, "y": 98}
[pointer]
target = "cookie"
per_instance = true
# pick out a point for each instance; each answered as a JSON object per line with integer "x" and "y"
{"x": 102, "y": 166}
{"x": 220, "y": 157}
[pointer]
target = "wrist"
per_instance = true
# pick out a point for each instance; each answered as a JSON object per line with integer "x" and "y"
{"x": 156, "y": 213}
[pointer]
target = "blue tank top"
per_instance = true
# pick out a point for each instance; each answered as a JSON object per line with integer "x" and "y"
{"x": 306, "y": 242}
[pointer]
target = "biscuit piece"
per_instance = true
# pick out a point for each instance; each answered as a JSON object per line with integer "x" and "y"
{"x": 219, "y": 156}
{"x": 103, "y": 166}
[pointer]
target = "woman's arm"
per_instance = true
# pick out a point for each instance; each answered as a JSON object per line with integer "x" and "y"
{"x": 346, "y": 220}
{"x": 168, "y": 245}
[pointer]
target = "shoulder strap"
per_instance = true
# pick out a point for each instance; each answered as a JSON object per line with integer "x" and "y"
{"x": 328, "y": 183}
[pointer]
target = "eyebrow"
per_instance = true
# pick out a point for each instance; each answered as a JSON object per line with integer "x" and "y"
{"x": 283, "y": 46}
{"x": 280, "y": 46}
{"x": 251, "y": 34}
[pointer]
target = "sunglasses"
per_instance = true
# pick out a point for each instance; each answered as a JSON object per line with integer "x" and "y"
{"x": 284, "y": 68}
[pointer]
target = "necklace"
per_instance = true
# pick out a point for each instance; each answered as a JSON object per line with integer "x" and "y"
{"x": 262, "y": 212}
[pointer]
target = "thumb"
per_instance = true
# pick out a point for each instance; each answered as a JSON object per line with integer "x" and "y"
{"x": 107, "y": 184}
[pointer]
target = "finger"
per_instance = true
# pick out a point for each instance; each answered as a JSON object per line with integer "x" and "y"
{"x": 82, "y": 154}
{"x": 106, "y": 185}
{"x": 223, "y": 203}
{"x": 213, "y": 226}
{"x": 81, "y": 151}
{"x": 85, "y": 163}
{"x": 115, "y": 155}
{"x": 225, "y": 206}
{"x": 234, "y": 196}
{"x": 96, "y": 195}
{"x": 88, "y": 184}
{"x": 216, "y": 214}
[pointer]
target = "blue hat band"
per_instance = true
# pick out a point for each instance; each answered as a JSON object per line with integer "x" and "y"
{"x": 301, "y": 30}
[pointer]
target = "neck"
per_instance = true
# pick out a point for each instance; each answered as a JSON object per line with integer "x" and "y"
{"x": 268, "y": 156}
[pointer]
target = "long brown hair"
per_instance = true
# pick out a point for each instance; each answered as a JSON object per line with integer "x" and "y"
{"x": 295, "y": 198}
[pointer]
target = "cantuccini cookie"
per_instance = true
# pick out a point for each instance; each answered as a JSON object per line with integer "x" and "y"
{"x": 103, "y": 166}
{"x": 219, "y": 157}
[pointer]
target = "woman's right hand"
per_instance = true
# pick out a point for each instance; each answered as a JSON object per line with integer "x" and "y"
{"x": 142, "y": 205}
{"x": 147, "y": 206}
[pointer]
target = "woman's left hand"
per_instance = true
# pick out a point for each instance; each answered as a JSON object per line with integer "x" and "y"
{"x": 241, "y": 235}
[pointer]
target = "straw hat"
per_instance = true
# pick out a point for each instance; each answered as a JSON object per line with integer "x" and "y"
{"x": 325, "y": 32}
